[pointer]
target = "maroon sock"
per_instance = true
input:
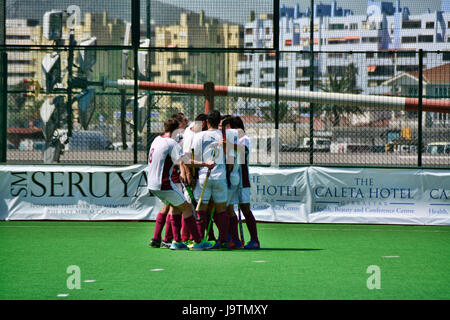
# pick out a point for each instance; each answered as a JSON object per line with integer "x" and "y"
{"x": 223, "y": 224}
{"x": 233, "y": 231}
{"x": 192, "y": 227}
{"x": 159, "y": 225}
{"x": 250, "y": 221}
{"x": 168, "y": 237}
{"x": 184, "y": 231}
{"x": 202, "y": 223}
{"x": 176, "y": 227}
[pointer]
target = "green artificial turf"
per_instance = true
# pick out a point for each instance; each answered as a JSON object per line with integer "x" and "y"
{"x": 296, "y": 262}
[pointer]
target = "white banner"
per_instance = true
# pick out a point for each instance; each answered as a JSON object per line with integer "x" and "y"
{"x": 307, "y": 194}
{"x": 381, "y": 196}
{"x": 75, "y": 193}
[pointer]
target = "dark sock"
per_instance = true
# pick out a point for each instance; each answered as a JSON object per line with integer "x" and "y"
{"x": 234, "y": 233}
{"x": 250, "y": 221}
{"x": 159, "y": 225}
{"x": 223, "y": 224}
{"x": 202, "y": 224}
{"x": 184, "y": 231}
{"x": 168, "y": 237}
{"x": 190, "y": 224}
{"x": 176, "y": 227}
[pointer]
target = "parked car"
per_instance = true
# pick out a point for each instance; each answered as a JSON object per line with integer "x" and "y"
{"x": 438, "y": 148}
{"x": 88, "y": 140}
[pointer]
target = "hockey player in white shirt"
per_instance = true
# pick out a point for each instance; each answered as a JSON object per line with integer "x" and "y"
{"x": 164, "y": 153}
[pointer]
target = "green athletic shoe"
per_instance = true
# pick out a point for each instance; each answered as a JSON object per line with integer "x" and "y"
{"x": 204, "y": 245}
{"x": 178, "y": 246}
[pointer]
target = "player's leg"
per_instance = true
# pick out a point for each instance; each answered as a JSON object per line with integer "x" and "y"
{"x": 159, "y": 225}
{"x": 190, "y": 223}
{"x": 203, "y": 209}
{"x": 250, "y": 221}
{"x": 233, "y": 241}
{"x": 211, "y": 236}
{"x": 221, "y": 217}
{"x": 168, "y": 236}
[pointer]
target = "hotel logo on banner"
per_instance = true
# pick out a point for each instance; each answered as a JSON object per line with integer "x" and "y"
{"x": 363, "y": 195}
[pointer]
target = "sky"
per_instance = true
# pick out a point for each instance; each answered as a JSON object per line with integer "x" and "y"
{"x": 238, "y": 10}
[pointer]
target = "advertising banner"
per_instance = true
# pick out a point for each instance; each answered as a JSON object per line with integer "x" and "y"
{"x": 75, "y": 193}
{"x": 381, "y": 196}
{"x": 303, "y": 195}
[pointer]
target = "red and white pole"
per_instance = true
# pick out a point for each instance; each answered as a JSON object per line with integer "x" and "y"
{"x": 344, "y": 99}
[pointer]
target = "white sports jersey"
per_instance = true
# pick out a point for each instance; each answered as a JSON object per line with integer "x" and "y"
{"x": 208, "y": 147}
{"x": 188, "y": 137}
{"x": 245, "y": 175}
{"x": 164, "y": 154}
{"x": 232, "y": 140}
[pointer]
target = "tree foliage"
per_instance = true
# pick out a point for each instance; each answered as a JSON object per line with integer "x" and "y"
{"x": 341, "y": 83}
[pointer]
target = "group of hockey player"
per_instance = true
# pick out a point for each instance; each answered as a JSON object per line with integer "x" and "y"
{"x": 200, "y": 173}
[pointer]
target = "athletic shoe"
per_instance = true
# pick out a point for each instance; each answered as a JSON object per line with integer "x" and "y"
{"x": 188, "y": 242}
{"x": 178, "y": 246}
{"x": 155, "y": 243}
{"x": 220, "y": 245}
{"x": 235, "y": 244}
{"x": 204, "y": 245}
{"x": 165, "y": 245}
{"x": 252, "y": 245}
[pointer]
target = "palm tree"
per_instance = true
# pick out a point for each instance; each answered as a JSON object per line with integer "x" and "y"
{"x": 285, "y": 113}
{"x": 342, "y": 83}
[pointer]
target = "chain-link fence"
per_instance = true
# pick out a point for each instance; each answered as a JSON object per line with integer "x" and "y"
{"x": 61, "y": 102}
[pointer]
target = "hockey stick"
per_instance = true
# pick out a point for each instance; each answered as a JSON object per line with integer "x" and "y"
{"x": 205, "y": 237}
{"x": 194, "y": 202}
{"x": 241, "y": 232}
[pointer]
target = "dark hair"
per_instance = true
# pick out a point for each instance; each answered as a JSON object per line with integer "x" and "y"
{"x": 170, "y": 125}
{"x": 214, "y": 118}
{"x": 201, "y": 117}
{"x": 226, "y": 121}
{"x": 178, "y": 116}
{"x": 237, "y": 123}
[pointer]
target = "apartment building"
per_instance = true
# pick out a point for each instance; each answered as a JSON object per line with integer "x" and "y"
{"x": 380, "y": 44}
{"x": 196, "y": 31}
{"x": 26, "y": 64}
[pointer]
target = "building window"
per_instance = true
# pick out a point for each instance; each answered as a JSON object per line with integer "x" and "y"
{"x": 336, "y": 26}
{"x": 406, "y": 54}
{"x": 409, "y": 39}
{"x": 429, "y": 25}
{"x": 353, "y": 26}
{"x": 283, "y": 72}
{"x": 412, "y": 24}
{"x": 427, "y": 38}
{"x": 249, "y": 31}
{"x": 370, "y": 39}
{"x": 407, "y": 68}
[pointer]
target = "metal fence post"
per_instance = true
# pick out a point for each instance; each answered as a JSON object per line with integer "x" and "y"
{"x": 209, "y": 96}
{"x": 276, "y": 37}
{"x": 3, "y": 104}
{"x": 311, "y": 84}
{"x": 135, "y": 41}
{"x": 419, "y": 111}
